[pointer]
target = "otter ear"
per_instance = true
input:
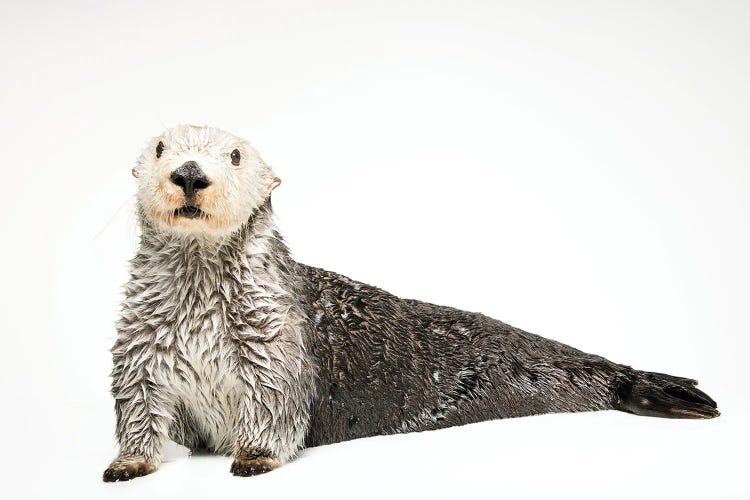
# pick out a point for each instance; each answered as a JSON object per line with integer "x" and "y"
{"x": 134, "y": 172}
{"x": 274, "y": 184}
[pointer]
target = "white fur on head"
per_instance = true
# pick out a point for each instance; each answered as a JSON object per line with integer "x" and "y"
{"x": 234, "y": 192}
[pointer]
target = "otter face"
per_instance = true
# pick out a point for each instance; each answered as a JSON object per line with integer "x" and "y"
{"x": 201, "y": 181}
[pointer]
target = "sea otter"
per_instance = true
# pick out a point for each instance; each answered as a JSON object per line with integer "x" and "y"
{"x": 227, "y": 344}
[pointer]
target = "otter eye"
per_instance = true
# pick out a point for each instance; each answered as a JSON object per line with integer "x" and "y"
{"x": 159, "y": 149}
{"x": 235, "y": 157}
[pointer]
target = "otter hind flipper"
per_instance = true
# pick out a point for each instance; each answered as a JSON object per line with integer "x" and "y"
{"x": 659, "y": 395}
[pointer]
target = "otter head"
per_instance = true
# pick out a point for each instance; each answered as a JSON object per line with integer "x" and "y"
{"x": 201, "y": 181}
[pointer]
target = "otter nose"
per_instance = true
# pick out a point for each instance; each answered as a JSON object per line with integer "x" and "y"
{"x": 190, "y": 178}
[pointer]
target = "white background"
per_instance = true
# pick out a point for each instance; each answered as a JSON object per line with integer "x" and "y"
{"x": 577, "y": 169}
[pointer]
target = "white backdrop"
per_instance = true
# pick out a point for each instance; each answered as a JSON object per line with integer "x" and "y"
{"x": 577, "y": 169}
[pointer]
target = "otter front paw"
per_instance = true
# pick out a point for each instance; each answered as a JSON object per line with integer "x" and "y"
{"x": 125, "y": 471}
{"x": 252, "y": 465}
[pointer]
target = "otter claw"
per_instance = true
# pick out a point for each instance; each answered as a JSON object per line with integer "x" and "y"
{"x": 125, "y": 471}
{"x": 253, "y": 467}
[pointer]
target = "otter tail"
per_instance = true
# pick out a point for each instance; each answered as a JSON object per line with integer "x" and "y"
{"x": 659, "y": 395}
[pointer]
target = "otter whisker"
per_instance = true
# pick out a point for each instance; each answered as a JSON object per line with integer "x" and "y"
{"x": 112, "y": 218}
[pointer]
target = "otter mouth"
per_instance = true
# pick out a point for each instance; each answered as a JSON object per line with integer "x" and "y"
{"x": 189, "y": 212}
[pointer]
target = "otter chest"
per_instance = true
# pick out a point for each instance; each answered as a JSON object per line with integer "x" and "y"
{"x": 206, "y": 388}
{"x": 197, "y": 365}
{"x": 202, "y": 312}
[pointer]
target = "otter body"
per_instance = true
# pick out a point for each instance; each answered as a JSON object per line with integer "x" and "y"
{"x": 227, "y": 344}
{"x": 389, "y": 365}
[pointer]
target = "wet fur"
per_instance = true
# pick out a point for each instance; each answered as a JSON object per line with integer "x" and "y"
{"x": 230, "y": 345}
